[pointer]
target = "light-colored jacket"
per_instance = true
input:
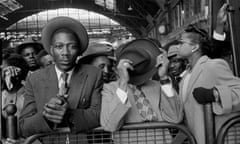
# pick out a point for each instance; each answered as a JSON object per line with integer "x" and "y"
{"x": 209, "y": 73}
{"x": 114, "y": 113}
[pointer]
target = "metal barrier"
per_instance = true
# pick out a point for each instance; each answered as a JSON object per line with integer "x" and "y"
{"x": 138, "y": 133}
{"x": 230, "y": 131}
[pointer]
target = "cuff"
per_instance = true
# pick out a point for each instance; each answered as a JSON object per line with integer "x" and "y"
{"x": 122, "y": 95}
{"x": 218, "y": 36}
{"x": 168, "y": 89}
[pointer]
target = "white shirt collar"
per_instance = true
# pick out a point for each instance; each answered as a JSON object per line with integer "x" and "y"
{"x": 58, "y": 71}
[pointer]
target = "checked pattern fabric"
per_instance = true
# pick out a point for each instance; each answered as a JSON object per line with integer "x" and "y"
{"x": 144, "y": 107}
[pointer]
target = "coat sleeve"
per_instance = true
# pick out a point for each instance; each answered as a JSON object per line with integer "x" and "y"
{"x": 31, "y": 120}
{"x": 113, "y": 110}
{"x": 228, "y": 87}
{"x": 171, "y": 108}
{"x": 81, "y": 119}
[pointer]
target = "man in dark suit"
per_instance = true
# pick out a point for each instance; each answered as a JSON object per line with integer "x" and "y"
{"x": 64, "y": 95}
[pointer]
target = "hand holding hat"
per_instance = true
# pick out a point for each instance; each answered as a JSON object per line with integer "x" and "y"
{"x": 122, "y": 69}
{"x": 162, "y": 64}
{"x": 142, "y": 53}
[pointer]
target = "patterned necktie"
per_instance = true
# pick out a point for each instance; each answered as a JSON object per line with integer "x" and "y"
{"x": 63, "y": 86}
{"x": 144, "y": 106}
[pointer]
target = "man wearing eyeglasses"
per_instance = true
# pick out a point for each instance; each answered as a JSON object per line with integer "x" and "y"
{"x": 65, "y": 95}
{"x": 205, "y": 81}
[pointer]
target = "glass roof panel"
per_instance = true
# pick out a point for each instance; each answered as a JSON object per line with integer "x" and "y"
{"x": 109, "y": 4}
{"x": 7, "y": 6}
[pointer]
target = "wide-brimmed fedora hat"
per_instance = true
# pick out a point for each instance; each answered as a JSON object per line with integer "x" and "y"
{"x": 143, "y": 54}
{"x": 29, "y": 42}
{"x": 97, "y": 49}
{"x": 68, "y": 23}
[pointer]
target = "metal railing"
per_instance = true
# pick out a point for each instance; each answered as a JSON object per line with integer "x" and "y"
{"x": 137, "y": 133}
{"x": 229, "y": 132}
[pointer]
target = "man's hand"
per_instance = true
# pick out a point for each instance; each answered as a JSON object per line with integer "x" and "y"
{"x": 203, "y": 95}
{"x": 221, "y": 19}
{"x": 55, "y": 110}
{"x": 8, "y": 73}
{"x": 162, "y": 64}
{"x": 123, "y": 66}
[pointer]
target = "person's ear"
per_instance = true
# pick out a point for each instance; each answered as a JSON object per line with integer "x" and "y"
{"x": 195, "y": 48}
{"x": 51, "y": 50}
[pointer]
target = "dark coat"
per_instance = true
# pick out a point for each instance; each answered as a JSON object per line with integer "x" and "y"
{"x": 84, "y": 99}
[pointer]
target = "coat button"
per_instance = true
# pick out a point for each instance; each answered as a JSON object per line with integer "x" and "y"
{"x": 84, "y": 100}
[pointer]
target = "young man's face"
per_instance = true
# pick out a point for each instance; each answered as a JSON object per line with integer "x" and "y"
{"x": 176, "y": 66}
{"x": 29, "y": 54}
{"x": 104, "y": 64}
{"x": 64, "y": 50}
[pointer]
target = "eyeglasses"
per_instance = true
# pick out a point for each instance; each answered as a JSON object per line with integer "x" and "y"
{"x": 68, "y": 45}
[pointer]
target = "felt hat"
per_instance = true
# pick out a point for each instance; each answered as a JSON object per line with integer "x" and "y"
{"x": 97, "y": 49}
{"x": 29, "y": 42}
{"x": 143, "y": 54}
{"x": 172, "y": 51}
{"x": 68, "y": 23}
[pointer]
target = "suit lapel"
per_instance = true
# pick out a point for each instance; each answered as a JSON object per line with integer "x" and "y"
{"x": 76, "y": 87}
{"x": 51, "y": 83}
{"x": 195, "y": 74}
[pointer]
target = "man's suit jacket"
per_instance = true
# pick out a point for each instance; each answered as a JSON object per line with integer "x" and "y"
{"x": 114, "y": 113}
{"x": 84, "y": 99}
{"x": 209, "y": 73}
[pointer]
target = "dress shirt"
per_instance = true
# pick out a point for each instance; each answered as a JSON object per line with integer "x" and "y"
{"x": 59, "y": 72}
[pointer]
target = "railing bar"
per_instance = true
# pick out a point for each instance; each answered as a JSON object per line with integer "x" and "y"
{"x": 155, "y": 140}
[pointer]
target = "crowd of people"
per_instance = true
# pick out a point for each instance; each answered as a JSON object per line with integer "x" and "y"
{"x": 66, "y": 83}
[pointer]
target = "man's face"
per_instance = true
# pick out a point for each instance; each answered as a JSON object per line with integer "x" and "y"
{"x": 104, "y": 64}
{"x": 64, "y": 50}
{"x": 29, "y": 54}
{"x": 46, "y": 60}
{"x": 176, "y": 66}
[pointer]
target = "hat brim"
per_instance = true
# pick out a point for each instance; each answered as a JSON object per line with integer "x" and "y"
{"x": 68, "y": 23}
{"x": 86, "y": 59}
{"x": 142, "y": 45}
{"x": 36, "y": 46}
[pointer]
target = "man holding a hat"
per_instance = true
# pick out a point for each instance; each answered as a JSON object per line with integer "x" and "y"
{"x": 29, "y": 50}
{"x": 64, "y": 95}
{"x": 134, "y": 97}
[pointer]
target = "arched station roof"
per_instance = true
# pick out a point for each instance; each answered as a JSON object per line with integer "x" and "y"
{"x": 136, "y": 15}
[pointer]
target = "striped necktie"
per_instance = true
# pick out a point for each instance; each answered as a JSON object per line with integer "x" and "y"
{"x": 63, "y": 85}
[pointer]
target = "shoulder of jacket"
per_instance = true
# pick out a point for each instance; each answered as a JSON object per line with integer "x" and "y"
{"x": 214, "y": 62}
{"x": 39, "y": 73}
{"x": 90, "y": 69}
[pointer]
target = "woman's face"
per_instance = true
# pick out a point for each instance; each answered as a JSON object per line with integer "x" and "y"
{"x": 186, "y": 45}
